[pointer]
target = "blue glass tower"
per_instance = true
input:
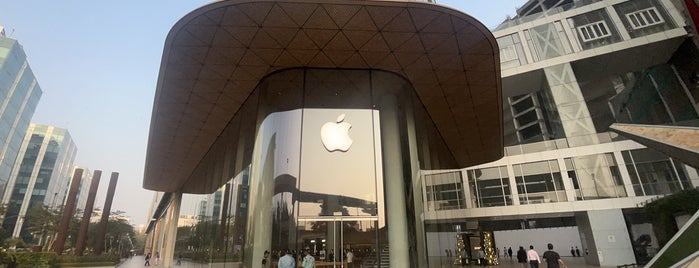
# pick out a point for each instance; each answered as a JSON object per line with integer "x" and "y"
{"x": 19, "y": 95}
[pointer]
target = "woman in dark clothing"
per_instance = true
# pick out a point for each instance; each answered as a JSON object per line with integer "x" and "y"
{"x": 522, "y": 257}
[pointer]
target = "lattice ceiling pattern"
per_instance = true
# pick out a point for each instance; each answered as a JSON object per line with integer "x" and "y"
{"x": 215, "y": 56}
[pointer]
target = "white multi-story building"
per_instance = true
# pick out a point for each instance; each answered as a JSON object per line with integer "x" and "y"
{"x": 569, "y": 70}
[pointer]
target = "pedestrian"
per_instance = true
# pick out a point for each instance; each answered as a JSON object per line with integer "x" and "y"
{"x": 577, "y": 252}
{"x": 533, "y": 257}
{"x": 481, "y": 257}
{"x": 309, "y": 261}
{"x": 157, "y": 258}
{"x": 147, "y": 260}
{"x": 572, "y": 251}
{"x": 287, "y": 261}
{"x": 464, "y": 256}
{"x": 350, "y": 258}
{"x": 504, "y": 251}
{"x": 522, "y": 257}
{"x": 331, "y": 256}
{"x": 179, "y": 259}
{"x": 509, "y": 252}
{"x": 553, "y": 259}
{"x": 265, "y": 259}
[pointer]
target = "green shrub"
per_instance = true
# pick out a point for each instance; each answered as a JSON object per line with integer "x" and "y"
{"x": 662, "y": 212}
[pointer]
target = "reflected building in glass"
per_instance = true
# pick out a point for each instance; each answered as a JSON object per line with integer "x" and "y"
{"x": 19, "y": 95}
{"x": 315, "y": 121}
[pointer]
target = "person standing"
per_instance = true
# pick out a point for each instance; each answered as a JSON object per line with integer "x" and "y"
{"x": 577, "y": 252}
{"x": 533, "y": 257}
{"x": 522, "y": 257}
{"x": 509, "y": 252}
{"x": 350, "y": 258}
{"x": 157, "y": 258}
{"x": 553, "y": 259}
{"x": 287, "y": 261}
{"x": 572, "y": 251}
{"x": 265, "y": 259}
{"x": 309, "y": 261}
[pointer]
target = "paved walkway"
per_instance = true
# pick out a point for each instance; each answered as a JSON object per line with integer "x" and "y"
{"x": 138, "y": 261}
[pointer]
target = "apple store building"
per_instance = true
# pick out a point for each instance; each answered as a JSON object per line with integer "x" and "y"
{"x": 314, "y": 122}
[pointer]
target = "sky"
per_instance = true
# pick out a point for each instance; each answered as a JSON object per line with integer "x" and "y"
{"x": 97, "y": 63}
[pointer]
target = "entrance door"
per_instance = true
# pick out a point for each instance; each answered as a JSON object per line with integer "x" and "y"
{"x": 329, "y": 238}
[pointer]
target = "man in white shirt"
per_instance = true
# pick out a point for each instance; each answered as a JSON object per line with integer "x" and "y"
{"x": 287, "y": 261}
{"x": 350, "y": 258}
{"x": 533, "y": 257}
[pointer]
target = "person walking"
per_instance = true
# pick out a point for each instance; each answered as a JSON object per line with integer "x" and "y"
{"x": 309, "y": 261}
{"x": 553, "y": 259}
{"x": 533, "y": 257}
{"x": 157, "y": 258}
{"x": 287, "y": 261}
{"x": 522, "y": 257}
{"x": 147, "y": 260}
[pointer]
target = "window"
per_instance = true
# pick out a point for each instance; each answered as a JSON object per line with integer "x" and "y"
{"x": 508, "y": 53}
{"x": 644, "y": 18}
{"x": 594, "y": 31}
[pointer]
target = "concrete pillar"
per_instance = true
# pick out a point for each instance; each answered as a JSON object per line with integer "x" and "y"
{"x": 393, "y": 182}
{"x": 609, "y": 244}
{"x": 68, "y": 212}
{"x": 102, "y": 227}
{"x": 87, "y": 213}
{"x": 173, "y": 214}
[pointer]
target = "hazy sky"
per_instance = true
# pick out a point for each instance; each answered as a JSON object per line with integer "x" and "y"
{"x": 97, "y": 63}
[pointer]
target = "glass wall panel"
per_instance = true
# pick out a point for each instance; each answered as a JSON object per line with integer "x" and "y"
{"x": 548, "y": 41}
{"x": 444, "y": 191}
{"x": 490, "y": 187}
{"x": 595, "y": 176}
{"x": 539, "y": 182}
{"x": 653, "y": 173}
{"x": 511, "y": 51}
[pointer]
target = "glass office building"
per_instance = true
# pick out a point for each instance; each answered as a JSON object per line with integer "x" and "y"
{"x": 40, "y": 176}
{"x": 19, "y": 95}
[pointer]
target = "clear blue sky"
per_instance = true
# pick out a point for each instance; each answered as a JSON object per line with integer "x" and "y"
{"x": 97, "y": 63}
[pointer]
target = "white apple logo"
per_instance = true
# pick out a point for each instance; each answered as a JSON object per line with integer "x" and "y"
{"x": 335, "y": 136}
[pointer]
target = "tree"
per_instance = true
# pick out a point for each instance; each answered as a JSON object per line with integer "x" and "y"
{"x": 118, "y": 238}
{"x": 42, "y": 222}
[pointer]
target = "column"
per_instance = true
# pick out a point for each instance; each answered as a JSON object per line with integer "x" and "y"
{"x": 173, "y": 214}
{"x": 396, "y": 215}
{"x": 609, "y": 244}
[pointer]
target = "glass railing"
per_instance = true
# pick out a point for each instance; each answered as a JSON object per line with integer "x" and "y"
{"x": 658, "y": 188}
{"x": 592, "y": 193}
{"x": 542, "y": 146}
{"x": 549, "y": 12}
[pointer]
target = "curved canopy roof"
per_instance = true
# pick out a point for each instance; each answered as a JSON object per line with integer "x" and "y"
{"x": 215, "y": 56}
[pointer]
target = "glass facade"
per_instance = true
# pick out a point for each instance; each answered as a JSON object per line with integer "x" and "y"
{"x": 40, "y": 177}
{"x": 654, "y": 174}
{"x": 310, "y": 190}
{"x": 19, "y": 95}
